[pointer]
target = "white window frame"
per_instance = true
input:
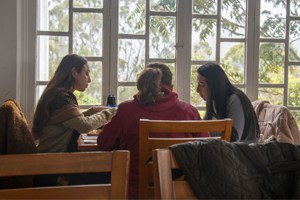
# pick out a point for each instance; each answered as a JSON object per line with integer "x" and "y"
{"x": 26, "y": 26}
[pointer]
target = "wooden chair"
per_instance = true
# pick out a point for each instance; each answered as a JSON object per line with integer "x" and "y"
{"x": 116, "y": 162}
{"x": 147, "y": 144}
{"x": 165, "y": 186}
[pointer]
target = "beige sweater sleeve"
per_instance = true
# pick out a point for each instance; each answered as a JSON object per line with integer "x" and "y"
{"x": 90, "y": 111}
{"x": 84, "y": 124}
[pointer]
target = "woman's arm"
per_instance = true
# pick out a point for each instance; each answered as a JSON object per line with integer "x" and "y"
{"x": 94, "y": 109}
{"x": 236, "y": 113}
{"x": 84, "y": 124}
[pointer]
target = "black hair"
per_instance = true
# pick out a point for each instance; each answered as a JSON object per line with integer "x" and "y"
{"x": 220, "y": 89}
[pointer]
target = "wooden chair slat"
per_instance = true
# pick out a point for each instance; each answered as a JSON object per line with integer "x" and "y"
{"x": 147, "y": 143}
{"x": 116, "y": 162}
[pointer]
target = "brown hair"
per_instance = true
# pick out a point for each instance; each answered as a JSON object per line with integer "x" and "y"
{"x": 149, "y": 87}
{"x": 166, "y": 73}
{"x": 62, "y": 79}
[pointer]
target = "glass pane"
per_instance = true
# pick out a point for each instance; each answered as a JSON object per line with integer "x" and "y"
{"x": 296, "y": 115}
{"x": 204, "y": 39}
{"x": 294, "y": 41}
{"x": 195, "y": 98}
{"x": 131, "y": 59}
{"x": 233, "y": 61}
{"x": 50, "y": 49}
{"x": 132, "y": 17}
{"x": 202, "y": 113}
{"x": 272, "y": 19}
{"x": 294, "y": 86}
{"x": 233, "y": 19}
{"x": 88, "y": 3}
{"x": 162, "y": 37}
{"x": 88, "y": 34}
{"x": 271, "y": 63}
{"x": 163, "y": 6}
{"x": 93, "y": 94}
{"x": 205, "y": 7}
{"x": 274, "y": 95}
{"x": 126, "y": 93}
{"x": 39, "y": 91}
{"x": 53, "y": 15}
{"x": 295, "y": 8}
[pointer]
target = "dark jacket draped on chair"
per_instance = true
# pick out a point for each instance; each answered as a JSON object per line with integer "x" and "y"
{"x": 217, "y": 169}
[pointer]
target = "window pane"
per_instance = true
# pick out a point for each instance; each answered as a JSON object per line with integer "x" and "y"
{"x": 233, "y": 61}
{"x": 294, "y": 41}
{"x": 162, "y": 37}
{"x": 274, "y": 95}
{"x": 93, "y": 94}
{"x": 88, "y": 3}
{"x": 295, "y": 8}
{"x": 53, "y": 15}
{"x": 296, "y": 115}
{"x": 272, "y": 19}
{"x": 50, "y": 51}
{"x": 39, "y": 91}
{"x": 204, "y": 39}
{"x": 294, "y": 86}
{"x": 271, "y": 63}
{"x": 195, "y": 98}
{"x": 205, "y": 7}
{"x": 233, "y": 19}
{"x": 131, "y": 59}
{"x": 163, "y": 6}
{"x": 88, "y": 36}
{"x": 126, "y": 93}
{"x": 132, "y": 17}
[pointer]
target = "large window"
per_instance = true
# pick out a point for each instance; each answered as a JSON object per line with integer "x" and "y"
{"x": 257, "y": 42}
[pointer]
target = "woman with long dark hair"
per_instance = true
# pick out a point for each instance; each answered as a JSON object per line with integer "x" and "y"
{"x": 57, "y": 119}
{"x": 223, "y": 100}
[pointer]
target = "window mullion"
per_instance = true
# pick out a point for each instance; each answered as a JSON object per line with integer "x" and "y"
{"x": 252, "y": 49}
{"x": 106, "y": 50}
{"x": 112, "y": 68}
{"x": 183, "y": 48}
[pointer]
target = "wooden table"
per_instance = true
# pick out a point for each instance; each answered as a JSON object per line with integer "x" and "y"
{"x": 87, "y": 142}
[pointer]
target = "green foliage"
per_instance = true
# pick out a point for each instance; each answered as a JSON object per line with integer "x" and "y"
{"x": 84, "y": 99}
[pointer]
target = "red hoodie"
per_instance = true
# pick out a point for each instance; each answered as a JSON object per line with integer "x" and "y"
{"x": 122, "y": 132}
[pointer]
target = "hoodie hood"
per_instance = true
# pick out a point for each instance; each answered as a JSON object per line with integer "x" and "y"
{"x": 165, "y": 102}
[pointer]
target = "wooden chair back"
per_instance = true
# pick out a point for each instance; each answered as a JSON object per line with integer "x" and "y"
{"x": 147, "y": 144}
{"x": 116, "y": 162}
{"x": 165, "y": 186}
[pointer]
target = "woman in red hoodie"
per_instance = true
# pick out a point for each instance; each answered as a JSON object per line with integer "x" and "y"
{"x": 154, "y": 100}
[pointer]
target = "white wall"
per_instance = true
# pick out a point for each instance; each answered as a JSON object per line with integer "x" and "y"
{"x": 8, "y": 49}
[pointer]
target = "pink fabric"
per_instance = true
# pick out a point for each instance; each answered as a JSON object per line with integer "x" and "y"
{"x": 122, "y": 132}
{"x": 276, "y": 123}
